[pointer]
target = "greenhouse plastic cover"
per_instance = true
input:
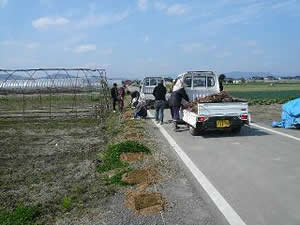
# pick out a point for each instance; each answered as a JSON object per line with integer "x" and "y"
{"x": 290, "y": 115}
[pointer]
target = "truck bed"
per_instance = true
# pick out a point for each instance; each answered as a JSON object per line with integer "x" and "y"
{"x": 222, "y": 109}
{"x": 215, "y": 110}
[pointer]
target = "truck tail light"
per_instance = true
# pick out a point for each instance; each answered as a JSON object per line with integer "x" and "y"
{"x": 244, "y": 117}
{"x": 202, "y": 118}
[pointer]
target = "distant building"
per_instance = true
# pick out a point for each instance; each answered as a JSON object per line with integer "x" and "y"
{"x": 228, "y": 80}
{"x": 270, "y": 78}
{"x": 257, "y": 78}
{"x": 239, "y": 81}
{"x": 289, "y": 78}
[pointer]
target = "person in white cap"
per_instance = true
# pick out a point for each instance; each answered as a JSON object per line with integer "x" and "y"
{"x": 175, "y": 101}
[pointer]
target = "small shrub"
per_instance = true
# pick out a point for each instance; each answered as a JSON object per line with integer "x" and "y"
{"x": 66, "y": 203}
{"x": 22, "y": 215}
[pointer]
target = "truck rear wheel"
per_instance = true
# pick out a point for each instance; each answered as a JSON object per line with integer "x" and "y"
{"x": 194, "y": 131}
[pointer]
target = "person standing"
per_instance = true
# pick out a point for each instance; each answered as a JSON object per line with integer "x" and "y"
{"x": 122, "y": 96}
{"x": 115, "y": 95}
{"x": 170, "y": 91}
{"x": 175, "y": 101}
{"x": 159, "y": 93}
{"x": 221, "y": 81}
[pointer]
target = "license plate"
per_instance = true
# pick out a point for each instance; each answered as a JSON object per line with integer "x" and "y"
{"x": 223, "y": 123}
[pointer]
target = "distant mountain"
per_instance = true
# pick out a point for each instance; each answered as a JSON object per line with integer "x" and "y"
{"x": 238, "y": 74}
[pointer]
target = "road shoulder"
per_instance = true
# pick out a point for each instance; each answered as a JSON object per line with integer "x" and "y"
{"x": 187, "y": 200}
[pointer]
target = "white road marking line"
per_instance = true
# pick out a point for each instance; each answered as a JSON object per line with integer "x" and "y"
{"x": 231, "y": 216}
{"x": 275, "y": 131}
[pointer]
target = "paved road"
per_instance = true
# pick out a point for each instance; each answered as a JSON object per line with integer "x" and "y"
{"x": 257, "y": 172}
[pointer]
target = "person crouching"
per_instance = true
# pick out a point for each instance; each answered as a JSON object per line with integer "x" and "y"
{"x": 140, "y": 110}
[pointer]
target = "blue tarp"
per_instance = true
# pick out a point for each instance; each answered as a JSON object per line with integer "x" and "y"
{"x": 290, "y": 115}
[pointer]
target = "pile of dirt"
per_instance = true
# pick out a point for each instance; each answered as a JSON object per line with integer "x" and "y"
{"x": 145, "y": 203}
{"x": 141, "y": 176}
{"x": 131, "y": 157}
{"x": 127, "y": 115}
{"x": 129, "y": 124}
{"x": 223, "y": 96}
{"x": 133, "y": 136}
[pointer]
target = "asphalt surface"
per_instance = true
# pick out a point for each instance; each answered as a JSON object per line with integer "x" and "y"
{"x": 256, "y": 171}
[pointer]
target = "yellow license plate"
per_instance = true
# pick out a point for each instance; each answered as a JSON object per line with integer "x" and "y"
{"x": 223, "y": 123}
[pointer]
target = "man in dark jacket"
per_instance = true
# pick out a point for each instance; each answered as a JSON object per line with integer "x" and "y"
{"x": 221, "y": 81}
{"x": 175, "y": 104}
{"x": 114, "y": 95}
{"x": 159, "y": 93}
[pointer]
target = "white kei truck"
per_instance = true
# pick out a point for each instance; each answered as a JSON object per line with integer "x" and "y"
{"x": 211, "y": 116}
{"x": 147, "y": 87}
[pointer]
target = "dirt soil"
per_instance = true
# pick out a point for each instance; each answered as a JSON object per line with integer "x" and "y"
{"x": 128, "y": 115}
{"x": 141, "y": 176}
{"x": 43, "y": 161}
{"x": 133, "y": 136}
{"x": 145, "y": 203}
{"x": 265, "y": 113}
{"x": 132, "y": 157}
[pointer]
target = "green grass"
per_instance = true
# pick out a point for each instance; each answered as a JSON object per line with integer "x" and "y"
{"x": 113, "y": 125}
{"x": 39, "y": 102}
{"x": 117, "y": 178}
{"x": 265, "y": 94}
{"x": 113, "y": 152}
{"x": 22, "y": 215}
{"x": 66, "y": 203}
{"x": 263, "y": 87}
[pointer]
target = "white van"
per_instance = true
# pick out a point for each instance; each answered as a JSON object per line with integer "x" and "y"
{"x": 147, "y": 87}
{"x": 200, "y": 83}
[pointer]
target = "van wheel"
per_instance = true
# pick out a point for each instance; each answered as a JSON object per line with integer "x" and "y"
{"x": 236, "y": 130}
{"x": 194, "y": 131}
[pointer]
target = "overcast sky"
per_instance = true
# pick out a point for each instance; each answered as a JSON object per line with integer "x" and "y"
{"x": 144, "y": 37}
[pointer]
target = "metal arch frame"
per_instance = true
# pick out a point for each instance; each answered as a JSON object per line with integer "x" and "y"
{"x": 41, "y": 81}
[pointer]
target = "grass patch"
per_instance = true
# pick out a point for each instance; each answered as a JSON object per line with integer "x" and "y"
{"x": 113, "y": 125}
{"x": 66, "y": 203}
{"x": 117, "y": 178}
{"x": 112, "y": 155}
{"x": 266, "y": 97}
{"x": 22, "y": 215}
{"x": 264, "y": 93}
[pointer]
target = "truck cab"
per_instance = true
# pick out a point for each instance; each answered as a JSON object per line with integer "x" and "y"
{"x": 200, "y": 83}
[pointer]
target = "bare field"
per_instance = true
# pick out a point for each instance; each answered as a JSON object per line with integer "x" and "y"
{"x": 48, "y": 163}
{"x": 265, "y": 113}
